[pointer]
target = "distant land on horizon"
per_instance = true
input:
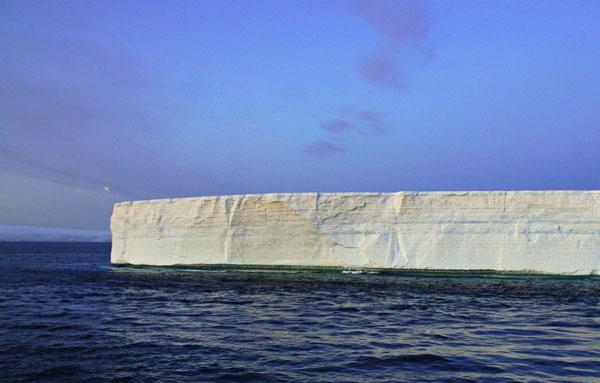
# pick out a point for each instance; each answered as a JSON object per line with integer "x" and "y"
{"x": 19, "y": 233}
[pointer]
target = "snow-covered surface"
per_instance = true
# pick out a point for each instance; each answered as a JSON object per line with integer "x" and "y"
{"x": 540, "y": 231}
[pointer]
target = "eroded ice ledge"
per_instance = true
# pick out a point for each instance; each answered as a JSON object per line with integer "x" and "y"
{"x": 538, "y": 231}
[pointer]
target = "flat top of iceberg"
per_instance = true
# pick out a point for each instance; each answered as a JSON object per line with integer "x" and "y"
{"x": 342, "y": 194}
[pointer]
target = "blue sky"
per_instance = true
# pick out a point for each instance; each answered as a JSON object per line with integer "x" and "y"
{"x": 103, "y": 101}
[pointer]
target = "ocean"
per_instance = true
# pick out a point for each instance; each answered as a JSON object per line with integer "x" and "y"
{"x": 67, "y": 315}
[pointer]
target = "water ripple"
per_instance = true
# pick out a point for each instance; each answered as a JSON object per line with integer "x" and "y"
{"x": 66, "y": 315}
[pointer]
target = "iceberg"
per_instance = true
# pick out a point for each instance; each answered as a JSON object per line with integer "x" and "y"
{"x": 528, "y": 231}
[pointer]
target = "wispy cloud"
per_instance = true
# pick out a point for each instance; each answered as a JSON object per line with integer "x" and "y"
{"x": 81, "y": 115}
{"x": 322, "y": 149}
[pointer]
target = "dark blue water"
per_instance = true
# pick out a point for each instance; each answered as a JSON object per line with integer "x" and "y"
{"x": 66, "y": 315}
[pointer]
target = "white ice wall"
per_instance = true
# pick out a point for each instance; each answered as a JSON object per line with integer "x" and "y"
{"x": 543, "y": 231}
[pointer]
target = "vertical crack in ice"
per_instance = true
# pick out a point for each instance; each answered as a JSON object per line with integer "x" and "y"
{"x": 398, "y": 203}
{"x": 159, "y": 225}
{"x": 402, "y": 249}
{"x": 503, "y": 219}
{"x": 391, "y": 260}
{"x": 231, "y": 207}
{"x": 321, "y": 235}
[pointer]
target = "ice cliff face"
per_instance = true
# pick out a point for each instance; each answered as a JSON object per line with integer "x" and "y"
{"x": 543, "y": 231}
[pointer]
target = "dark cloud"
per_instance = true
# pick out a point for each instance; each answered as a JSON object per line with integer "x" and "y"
{"x": 357, "y": 121}
{"x": 322, "y": 149}
{"x": 371, "y": 121}
{"x": 381, "y": 70}
{"x": 401, "y": 24}
{"x": 337, "y": 126}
